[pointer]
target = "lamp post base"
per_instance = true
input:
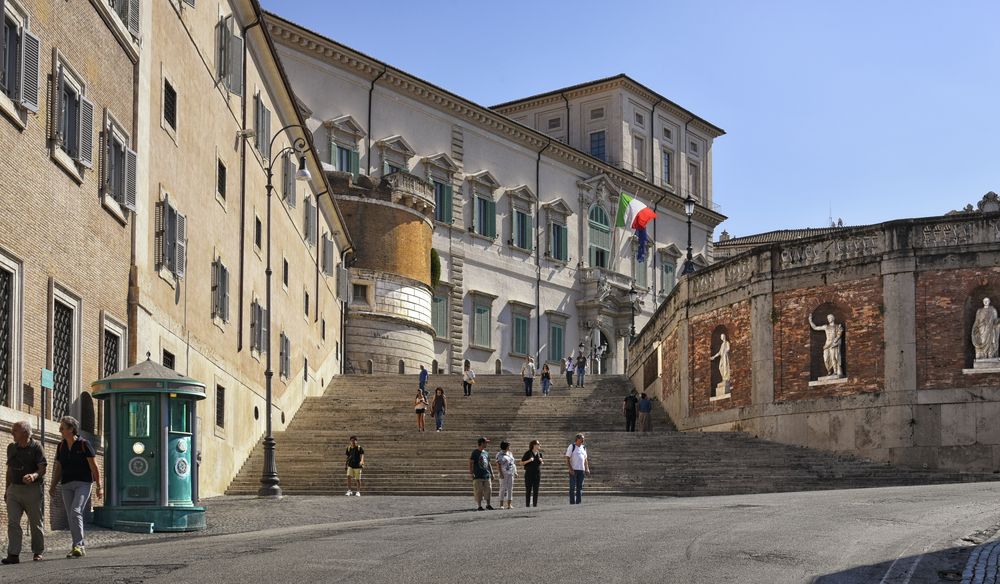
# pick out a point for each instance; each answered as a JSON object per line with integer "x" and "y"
{"x": 269, "y": 482}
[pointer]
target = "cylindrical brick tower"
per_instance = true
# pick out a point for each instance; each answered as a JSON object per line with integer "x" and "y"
{"x": 388, "y": 327}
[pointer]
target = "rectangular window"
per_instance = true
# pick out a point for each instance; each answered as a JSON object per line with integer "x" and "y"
{"x": 439, "y": 316}
{"x": 693, "y": 147}
{"x": 555, "y": 123}
{"x": 520, "y": 341}
{"x": 481, "y": 325}
{"x": 359, "y": 294}
{"x": 305, "y": 369}
{"x": 120, "y": 165}
{"x": 638, "y": 154}
{"x": 329, "y": 259}
{"x": 259, "y": 333}
{"x": 169, "y": 105}
{"x": 9, "y": 80}
{"x": 73, "y": 116}
{"x": 305, "y": 303}
{"x": 597, "y": 113}
{"x": 486, "y": 217}
{"x": 309, "y": 219}
{"x": 220, "y": 406}
{"x": 666, "y": 167}
{"x": 220, "y": 290}
{"x": 6, "y": 336}
{"x": 229, "y": 56}
{"x": 171, "y": 239}
{"x": 668, "y": 135}
{"x": 284, "y": 272}
{"x": 694, "y": 181}
{"x": 442, "y": 201}
{"x": 322, "y": 329}
{"x": 558, "y": 235}
{"x": 112, "y": 352}
{"x": 288, "y": 179}
{"x": 262, "y": 127}
{"x": 557, "y": 338}
{"x": 258, "y": 233}
{"x": 284, "y": 356}
{"x": 598, "y": 146}
{"x": 138, "y": 419}
{"x": 347, "y": 161}
{"x": 640, "y": 120}
{"x": 522, "y": 230}
{"x": 669, "y": 276}
{"x": 220, "y": 179}
{"x": 168, "y": 359}
{"x": 20, "y": 55}
{"x": 639, "y": 269}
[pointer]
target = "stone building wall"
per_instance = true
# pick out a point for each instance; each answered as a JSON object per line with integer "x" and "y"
{"x": 907, "y": 294}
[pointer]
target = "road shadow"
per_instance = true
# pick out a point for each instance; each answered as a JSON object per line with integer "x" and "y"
{"x": 938, "y": 567}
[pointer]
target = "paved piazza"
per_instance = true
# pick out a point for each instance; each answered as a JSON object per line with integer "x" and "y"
{"x": 897, "y": 535}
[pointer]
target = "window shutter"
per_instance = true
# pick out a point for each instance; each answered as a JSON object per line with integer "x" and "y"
{"x": 327, "y": 256}
{"x": 309, "y": 235}
{"x": 266, "y": 119}
{"x": 491, "y": 217}
{"x": 30, "y": 60}
{"x": 355, "y": 164}
{"x": 449, "y": 191}
{"x": 255, "y": 326}
{"x": 215, "y": 288}
{"x": 343, "y": 284}
{"x": 158, "y": 235}
{"x": 55, "y": 111}
{"x": 180, "y": 247}
{"x": 221, "y": 52}
{"x": 235, "y": 73}
{"x": 224, "y": 280}
{"x": 564, "y": 243}
{"x": 287, "y": 180}
{"x": 133, "y": 17}
{"x": 189, "y": 3}
{"x": 86, "y": 133}
{"x": 265, "y": 339}
{"x": 131, "y": 168}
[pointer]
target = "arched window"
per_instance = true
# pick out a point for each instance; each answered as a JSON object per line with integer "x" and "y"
{"x": 600, "y": 237}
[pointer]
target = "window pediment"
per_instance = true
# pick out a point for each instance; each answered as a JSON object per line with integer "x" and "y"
{"x": 521, "y": 193}
{"x": 485, "y": 178}
{"x": 670, "y": 251}
{"x": 558, "y": 207}
{"x": 442, "y": 162}
{"x": 601, "y": 185}
{"x": 396, "y": 144}
{"x": 347, "y": 125}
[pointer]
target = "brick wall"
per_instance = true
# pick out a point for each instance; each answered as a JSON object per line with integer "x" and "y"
{"x": 798, "y": 349}
{"x": 946, "y": 304}
{"x": 734, "y": 320}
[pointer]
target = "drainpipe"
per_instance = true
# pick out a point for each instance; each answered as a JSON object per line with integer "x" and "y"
{"x": 368, "y": 140}
{"x": 652, "y": 179}
{"x": 538, "y": 260}
{"x": 563, "y": 95}
{"x": 243, "y": 190}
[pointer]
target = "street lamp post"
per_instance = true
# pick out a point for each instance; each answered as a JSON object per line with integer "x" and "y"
{"x": 269, "y": 482}
{"x": 689, "y": 262}
{"x": 633, "y": 295}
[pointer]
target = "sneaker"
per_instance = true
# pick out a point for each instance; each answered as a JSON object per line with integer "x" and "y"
{"x": 37, "y": 558}
{"x": 77, "y": 552}
{"x": 489, "y": 507}
{"x": 479, "y": 509}
{"x": 348, "y": 493}
{"x": 10, "y": 560}
{"x": 357, "y": 493}
{"x": 439, "y": 429}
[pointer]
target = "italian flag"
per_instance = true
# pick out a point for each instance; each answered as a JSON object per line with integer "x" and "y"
{"x": 634, "y": 214}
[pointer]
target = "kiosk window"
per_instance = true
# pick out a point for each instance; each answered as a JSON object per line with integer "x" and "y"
{"x": 180, "y": 419}
{"x": 138, "y": 419}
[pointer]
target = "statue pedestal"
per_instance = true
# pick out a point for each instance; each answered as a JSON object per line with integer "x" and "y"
{"x": 983, "y": 366}
{"x": 828, "y": 380}
{"x": 723, "y": 390}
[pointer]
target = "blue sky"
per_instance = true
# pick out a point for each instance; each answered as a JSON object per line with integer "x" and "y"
{"x": 869, "y": 110}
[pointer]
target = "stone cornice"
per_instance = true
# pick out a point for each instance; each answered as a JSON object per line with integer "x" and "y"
{"x": 307, "y": 42}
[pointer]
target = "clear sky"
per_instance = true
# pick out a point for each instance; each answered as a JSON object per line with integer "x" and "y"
{"x": 867, "y": 110}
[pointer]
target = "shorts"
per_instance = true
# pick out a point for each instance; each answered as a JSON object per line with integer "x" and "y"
{"x": 419, "y": 411}
{"x": 354, "y": 473}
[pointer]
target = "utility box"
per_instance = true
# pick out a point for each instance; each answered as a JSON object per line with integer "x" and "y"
{"x": 150, "y": 460}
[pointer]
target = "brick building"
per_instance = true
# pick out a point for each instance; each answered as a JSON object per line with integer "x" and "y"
{"x": 904, "y": 295}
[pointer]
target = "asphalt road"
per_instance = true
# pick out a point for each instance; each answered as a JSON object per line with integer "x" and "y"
{"x": 900, "y": 535}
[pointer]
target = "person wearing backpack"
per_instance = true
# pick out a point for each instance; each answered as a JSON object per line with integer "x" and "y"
{"x": 578, "y": 463}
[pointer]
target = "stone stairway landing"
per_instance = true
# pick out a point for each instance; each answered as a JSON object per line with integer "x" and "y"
{"x": 402, "y": 461}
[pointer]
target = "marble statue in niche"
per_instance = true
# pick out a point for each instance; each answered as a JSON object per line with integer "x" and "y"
{"x": 831, "y": 347}
{"x": 986, "y": 336}
{"x": 725, "y": 372}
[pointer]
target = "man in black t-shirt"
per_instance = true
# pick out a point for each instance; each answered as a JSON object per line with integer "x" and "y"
{"x": 355, "y": 462}
{"x": 629, "y": 408}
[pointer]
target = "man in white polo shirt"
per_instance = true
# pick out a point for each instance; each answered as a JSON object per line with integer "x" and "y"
{"x": 579, "y": 465}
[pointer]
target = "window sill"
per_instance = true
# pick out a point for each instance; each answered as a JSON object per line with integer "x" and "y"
{"x": 255, "y": 354}
{"x": 12, "y": 112}
{"x": 556, "y": 260}
{"x": 441, "y": 339}
{"x": 518, "y": 355}
{"x": 171, "y": 132}
{"x": 221, "y": 201}
{"x": 220, "y": 432}
{"x": 68, "y": 164}
{"x": 167, "y": 276}
{"x": 482, "y": 237}
{"x": 219, "y": 322}
{"x": 480, "y": 348}
{"x": 258, "y": 252}
{"x": 520, "y": 249}
{"x": 112, "y": 206}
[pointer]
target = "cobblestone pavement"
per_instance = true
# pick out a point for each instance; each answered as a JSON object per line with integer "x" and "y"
{"x": 983, "y": 566}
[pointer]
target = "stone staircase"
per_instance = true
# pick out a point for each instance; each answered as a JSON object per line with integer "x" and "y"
{"x": 402, "y": 461}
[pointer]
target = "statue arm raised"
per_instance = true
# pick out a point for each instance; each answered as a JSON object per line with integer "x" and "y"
{"x": 813, "y": 326}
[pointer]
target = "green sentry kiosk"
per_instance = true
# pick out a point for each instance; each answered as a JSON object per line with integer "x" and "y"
{"x": 150, "y": 463}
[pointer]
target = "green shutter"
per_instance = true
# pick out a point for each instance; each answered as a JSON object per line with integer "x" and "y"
{"x": 354, "y": 164}
{"x": 448, "y": 193}
{"x": 491, "y": 218}
{"x": 564, "y": 251}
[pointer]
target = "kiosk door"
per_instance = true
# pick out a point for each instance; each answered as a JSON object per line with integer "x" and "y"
{"x": 138, "y": 419}
{"x": 180, "y": 443}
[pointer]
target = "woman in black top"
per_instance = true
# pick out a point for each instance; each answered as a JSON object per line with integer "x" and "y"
{"x": 76, "y": 470}
{"x": 532, "y": 462}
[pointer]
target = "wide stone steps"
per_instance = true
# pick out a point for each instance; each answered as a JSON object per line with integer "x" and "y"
{"x": 400, "y": 460}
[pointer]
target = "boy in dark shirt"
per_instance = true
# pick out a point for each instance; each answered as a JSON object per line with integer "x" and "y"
{"x": 355, "y": 462}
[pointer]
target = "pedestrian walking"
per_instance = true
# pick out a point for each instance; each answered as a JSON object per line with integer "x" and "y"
{"x": 423, "y": 381}
{"x": 546, "y": 379}
{"x": 581, "y": 370}
{"x": 481, "y": 474}
{"x": 578, "y": 463}
{"x": 75, "y": 471}
{"x": 528, "y": 374}
{"x": 420, "y": 407}
{"x": 468, "y": 380}
{"x": 532, "y": 462}
{"x": 507, "y": 467}
{"x": 438, "y": 408}
{"x": 355, "y": 462}
{"x": 645, "y": 413}
{"x": 570, "y": 367}
{"x": 26, "y": 466}
{"x": 629, "y": 410}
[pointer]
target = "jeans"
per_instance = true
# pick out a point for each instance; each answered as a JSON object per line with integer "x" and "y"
{"x": 466, "y": 388}
{"x": 528, "y": 381}
{"x": 531, "y": 482}
{"x": 423, "y": 389}
{"x": 24, "y": 499}
{"x": 76, "y": 496}
{"x": 576, "y": 487}
{"x": 439, "y": 419}
{"x": 545, "y": 386}
{"x": 579, "y": 377}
